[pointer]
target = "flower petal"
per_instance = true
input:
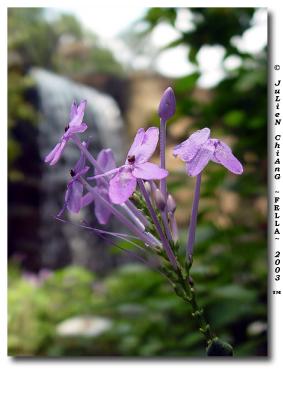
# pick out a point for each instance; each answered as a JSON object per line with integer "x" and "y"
{"x": 189, "y": 148}
{"x": 144, "y": 144}
{"x": 52, "y": 153}
{"x": 101, "y": 212}
{"x": 86, "y": 200}
{"x": 223, "y": 155}
{"x": 149, "y": 171}
{"x": 137, "y": 141}
{"x": 82, "y": 172}
{"x": 122, "y": 186}
{"x": 73, "y": 196}
{"x": 76, "y": 129}
{"x": 74, "y": 108}
{"x": 80, "y": 165}
{"x": 53, "y": 157}
{"x": 201, "y": 159}
{"x": 106, "y": 160}
{"x": 78, "y": 117}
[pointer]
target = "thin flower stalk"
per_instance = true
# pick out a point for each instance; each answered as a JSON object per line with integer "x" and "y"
{"x": 134, "y": 218}
{"x": 136, "y": 212}
{"x": 193, "y": 220}
{"x": 161, "y": 204}
{"x": 163, "y": 184}
{"x": 119, "y": 235}
{"x": 154, "y": 217}
{"x": 166, "y": 110}
{"x": 166, "y": 225}
{"x": 104, "y": 235}
{"x": 87, "y": 154}
{"x": 128, "y": 224}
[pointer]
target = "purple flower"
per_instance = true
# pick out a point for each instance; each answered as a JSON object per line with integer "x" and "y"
{"x": 123, "y": 184}
{"x": 106, "y": 162}
{"x": 75, "y": 126}
{"x": 199, "y": 149}
{"x": 167, "y": 106}
{"x": 74, "y": 192}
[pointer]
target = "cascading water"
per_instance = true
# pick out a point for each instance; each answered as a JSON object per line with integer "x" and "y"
{"x": 63, "y": 243}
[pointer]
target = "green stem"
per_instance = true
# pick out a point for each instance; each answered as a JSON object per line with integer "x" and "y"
{"x": 197, "y": 311}
{"x": 198, "y": 314}
{"x": 183, "y": 285}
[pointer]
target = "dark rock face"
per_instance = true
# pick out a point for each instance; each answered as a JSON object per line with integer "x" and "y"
{"x": 33, "y": 203}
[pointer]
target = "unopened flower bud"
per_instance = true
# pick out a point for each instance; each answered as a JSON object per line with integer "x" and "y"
{"x": 153, "y": 186}
{"x": 174, "y": 227}
{"x": 167, "y": 106}
{"x": 147, "y": 187}
{"x": 159, "y": 200}
{"x": 171, "y": 204}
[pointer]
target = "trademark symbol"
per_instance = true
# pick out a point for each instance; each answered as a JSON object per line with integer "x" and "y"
{"x": 276, "y": 291}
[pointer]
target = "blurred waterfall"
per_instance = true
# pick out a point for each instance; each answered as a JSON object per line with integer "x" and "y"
{"x": 63, "y": 243}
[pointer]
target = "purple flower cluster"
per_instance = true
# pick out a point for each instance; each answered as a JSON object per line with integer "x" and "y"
{"x": 136, "y": 194}
{"x": 115, "y": 191}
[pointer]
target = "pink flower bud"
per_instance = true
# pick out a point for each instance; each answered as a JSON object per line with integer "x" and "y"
{"x": 167, "y": 106}
{"x": 174, "y": 227}
{"x": 147, "y": 187}
{"x": 159, "y": 200}
{"x": 171, "y": 204}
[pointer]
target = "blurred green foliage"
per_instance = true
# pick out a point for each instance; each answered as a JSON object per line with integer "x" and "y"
{"x": 211, "y": 26}
{"x": 147, "y": 317}
{"x": 20, "y": 111}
